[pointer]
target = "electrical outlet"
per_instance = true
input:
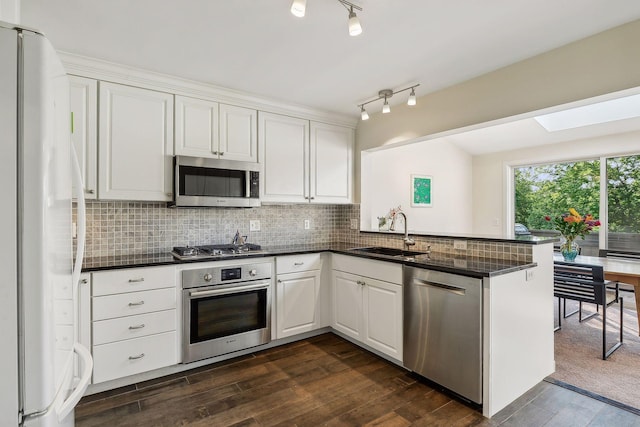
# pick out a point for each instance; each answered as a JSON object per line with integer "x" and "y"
{"x": 307, "y": 224}
{"x": 254, "y": 225}
{"x": 460, "y": 244}
{"x": 529, "y": 275}
{"x": 353, "y": 224}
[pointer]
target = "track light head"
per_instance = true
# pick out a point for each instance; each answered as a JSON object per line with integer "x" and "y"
{"x": 363, "y": 113}
{"x": 412, "y": 97}
{"x": 385, "y": 107}
{"x": 298, "y": 8}
{"x": 355, "y": 28}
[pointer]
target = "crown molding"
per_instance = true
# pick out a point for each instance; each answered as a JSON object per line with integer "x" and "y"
{"x": 117, "y": 73}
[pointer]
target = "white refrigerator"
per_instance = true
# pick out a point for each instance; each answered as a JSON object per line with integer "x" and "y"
{"x": 39, "y": 381}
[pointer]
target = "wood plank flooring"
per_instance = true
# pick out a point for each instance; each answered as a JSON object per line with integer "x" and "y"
{"x": 323, "y": 380}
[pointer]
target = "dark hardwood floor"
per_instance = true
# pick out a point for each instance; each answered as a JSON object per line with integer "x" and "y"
{"x": 323, "y": 380}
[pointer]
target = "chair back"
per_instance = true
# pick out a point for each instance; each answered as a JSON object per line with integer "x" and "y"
{"x": 614, "y": 253}
{"x": 579, "y": 282}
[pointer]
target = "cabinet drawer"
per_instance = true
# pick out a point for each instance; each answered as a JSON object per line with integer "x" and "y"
{"x": 381, "y": 270}
{"x": 133, "y": 279}
{"x": 293, "y": 263}
{"x": 124, "y": 328}
{"x": 111, "y": 306}
{"x": 124, "y": 358}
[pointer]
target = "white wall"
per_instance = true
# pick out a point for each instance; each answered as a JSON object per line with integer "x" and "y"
{"x": 491, "y": 178}
{"x": 386, "y": 178}
{"x": 604, "y": 63}
{"x": 10, "y": 11}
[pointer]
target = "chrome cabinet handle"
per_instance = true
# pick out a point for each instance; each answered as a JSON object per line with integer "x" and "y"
{"x": 311, "y": 198}
{"x": 170, "y": 194}
{"x": 140, "y": 356}
{"x": 215, "y": 152}
{"x": 131, "y": 304}
{"x": 89, "y": 191}
{"x": 84, "y": 281}
{"x": 136, "y": 280}
{"x": 298, "y": 263}
{"x": 140, "y": 326}
{"x": 361, "y": 283}
{"x": 279, "y": 281}
{"x": 222, "y": 153}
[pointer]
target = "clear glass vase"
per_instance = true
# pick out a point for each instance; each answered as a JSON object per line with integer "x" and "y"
{"x": 569, "y": 250}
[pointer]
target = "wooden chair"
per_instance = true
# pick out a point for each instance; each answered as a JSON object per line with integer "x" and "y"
{"x": 585, "y": 283}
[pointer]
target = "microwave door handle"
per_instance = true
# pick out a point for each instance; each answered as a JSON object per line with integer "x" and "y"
{"x": 247, "y": 181}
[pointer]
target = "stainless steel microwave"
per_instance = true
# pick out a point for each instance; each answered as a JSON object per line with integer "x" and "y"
{"x": 200, "y": 182}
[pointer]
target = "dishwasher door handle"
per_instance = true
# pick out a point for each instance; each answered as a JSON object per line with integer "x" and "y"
{"x": 449, "y": 288}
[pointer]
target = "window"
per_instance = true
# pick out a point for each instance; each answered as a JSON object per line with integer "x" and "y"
{"x": 623, "y": 203}
{"x": 554, "y": 188}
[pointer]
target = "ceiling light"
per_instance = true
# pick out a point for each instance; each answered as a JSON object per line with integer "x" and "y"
{"x": 412, "y": 98}
{"x": 355, "y": 28}
{"x": 364, "y": 114}
{"x": 298, "y": 7}
{"x": 385, "y": 107}
{"x": 386, "y": 94}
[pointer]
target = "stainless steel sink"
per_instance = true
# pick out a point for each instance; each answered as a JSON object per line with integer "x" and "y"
{"x": 381, "y": 250}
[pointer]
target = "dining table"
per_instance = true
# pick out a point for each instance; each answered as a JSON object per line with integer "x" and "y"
{"x": 615, "y": 269}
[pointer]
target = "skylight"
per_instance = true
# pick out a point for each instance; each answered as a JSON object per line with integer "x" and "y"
{"x": 602, "y": 112}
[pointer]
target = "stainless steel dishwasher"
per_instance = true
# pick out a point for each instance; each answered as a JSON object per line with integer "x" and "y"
{"x": 443, "y": 329}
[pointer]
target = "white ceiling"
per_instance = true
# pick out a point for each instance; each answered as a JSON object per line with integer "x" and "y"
{"x": 259, "y": 47}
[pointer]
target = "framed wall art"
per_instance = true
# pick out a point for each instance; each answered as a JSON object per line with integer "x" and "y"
{"x": 421, "y": 191}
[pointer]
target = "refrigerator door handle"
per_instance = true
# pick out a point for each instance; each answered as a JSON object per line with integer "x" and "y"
{"x": 75, "y": 396}
{"x": 79, "y": 185}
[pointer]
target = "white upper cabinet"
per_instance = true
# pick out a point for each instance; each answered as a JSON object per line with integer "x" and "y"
{"x": 212, "y": 130}
{"x": 83, "y": 100}
{"x": 284, "y": 146}
{"x": 238, "y": 133}
{"x": 196, "y": 127}
{"x": 136, "y": 143}
{"x": 304, "y": 161}
{"x": 331, "y": 163}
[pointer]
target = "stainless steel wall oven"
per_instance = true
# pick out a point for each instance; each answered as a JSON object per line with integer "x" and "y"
{"x": 225, "y": 309}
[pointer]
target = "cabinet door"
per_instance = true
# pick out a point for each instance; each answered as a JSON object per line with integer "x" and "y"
{"x": 84, "y": 316}
{"x": 136, "y": 143}
{"x": 383, "y": 317}
{"x": 284, "y": 144}
{"x": 83, "y": 99}
{"x": 238, "y": 133}
{"x": 297, "y": 296}
{"x": 196, "y": 127}
{"x": 347, "y": 302}
{"x": 331, "y": 163}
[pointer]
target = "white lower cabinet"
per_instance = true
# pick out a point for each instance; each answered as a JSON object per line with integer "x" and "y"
{"x": 134, "y": 321}
{"x": 367, "y": 309}
{"x": 298, "y": 295}
{"x": 123, "y": 358}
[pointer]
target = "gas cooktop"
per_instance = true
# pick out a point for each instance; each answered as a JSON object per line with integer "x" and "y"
{"x": 213, "y": 251}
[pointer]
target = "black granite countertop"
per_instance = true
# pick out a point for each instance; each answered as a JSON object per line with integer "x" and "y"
{"x": 467, "y": 266}
{"x": 525, "y": 239}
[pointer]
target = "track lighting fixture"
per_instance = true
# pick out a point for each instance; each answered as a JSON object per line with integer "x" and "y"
{"x": 386, "y": 94}
{"x": 363, "y": 113}
{"x": 298, "y": 8}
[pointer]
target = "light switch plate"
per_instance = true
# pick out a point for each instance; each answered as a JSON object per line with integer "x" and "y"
{"x": 353, "y": 224}
{"x": 254, "y": 225}
{"x": 307, "y": 224}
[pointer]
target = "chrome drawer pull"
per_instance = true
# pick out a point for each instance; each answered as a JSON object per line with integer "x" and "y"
{"x": 131, "y": 304}
{"x": 137, "y": 326}
{"x": 298, "y": 263}
{"x": 140, "y": 356}
{"x": 84, "y": 281}
{"x": 136, "y": 280}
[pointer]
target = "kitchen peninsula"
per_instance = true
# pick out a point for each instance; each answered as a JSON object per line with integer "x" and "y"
{"x": 516, "y": 277}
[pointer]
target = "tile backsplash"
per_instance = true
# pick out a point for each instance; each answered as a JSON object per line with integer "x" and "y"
{"x": 131, "y": 228}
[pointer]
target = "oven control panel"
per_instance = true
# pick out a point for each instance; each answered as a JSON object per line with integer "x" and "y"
{"x": 226, "y": 274}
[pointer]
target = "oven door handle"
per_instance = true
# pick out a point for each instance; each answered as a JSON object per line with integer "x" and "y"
{"x": 226, "y": 291}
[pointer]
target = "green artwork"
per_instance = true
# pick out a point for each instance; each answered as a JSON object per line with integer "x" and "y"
{"x": 421, "y": 190}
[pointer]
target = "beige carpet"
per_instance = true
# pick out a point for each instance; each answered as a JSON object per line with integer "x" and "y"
{"x": 578, "y": 353}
